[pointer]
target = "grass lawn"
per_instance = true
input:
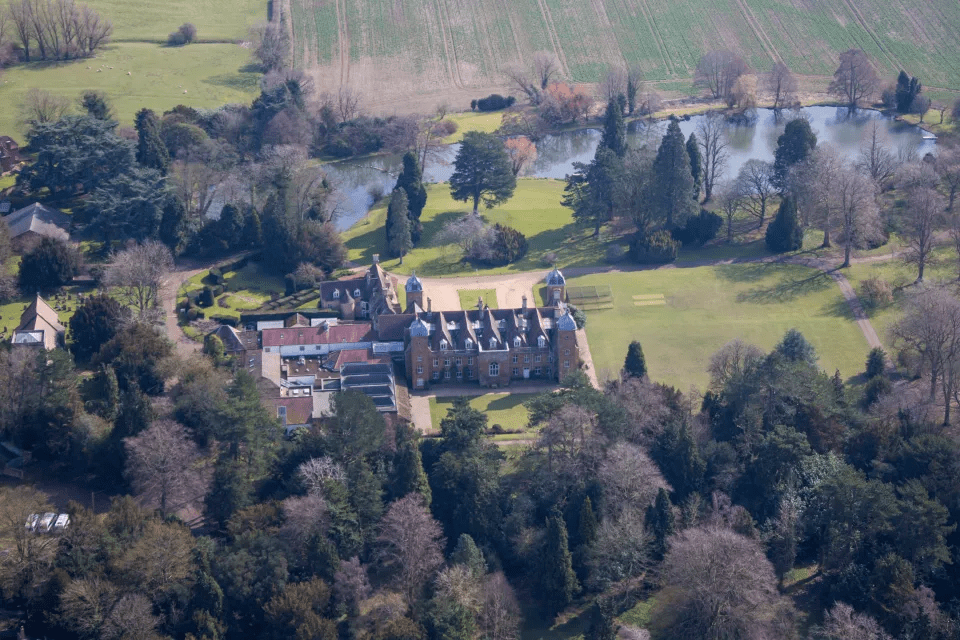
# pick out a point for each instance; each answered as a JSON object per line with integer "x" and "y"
{"x": 534, "y": 210}
{"x": 247, "y": 289}
{"x": 154, "y": 19}
{"x": 7, "y": 181}
{"x": 473, "y": 121}
{"x": 468, "y": 298}
{"x": 505, "y": 409}
{"x": 199, "y": 75}
{"x": 705, "y": 307}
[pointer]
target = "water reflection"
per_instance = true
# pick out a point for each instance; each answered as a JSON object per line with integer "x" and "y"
{"x": 752, "y": 138}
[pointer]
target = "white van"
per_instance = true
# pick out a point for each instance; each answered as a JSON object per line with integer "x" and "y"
{"x": 32, "y": 521}
{"x": 62, "y": 521}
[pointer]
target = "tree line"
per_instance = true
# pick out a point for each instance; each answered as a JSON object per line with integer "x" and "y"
{"x": 32, "y": 30}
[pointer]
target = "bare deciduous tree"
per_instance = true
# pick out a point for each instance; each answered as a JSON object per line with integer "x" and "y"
{"x": 40, "y": 106}
{"x": 522, "y": 152}
{"x": 58, "y": 29}
{"x": 131, "y": 617}
{"x": 161, "y": 557}
{"x": 315, "y": 472}
{"x": 474, "y": 237}
{"x": 198, "y": 174}
{"x": 26, "y": 566}
{"x": 811, "y": 182}
{"x": 855, "y": 80}
{"x": 303, "y": 517}
{"x": 781, "y": 84}
{"x": 500, "y": 612}
{"x": 410, "y": 545}
{"x": 731, "y": 361}
{"x": 271, "y": 45}
{"x": 139, "y": 273}
{"x": 645, "y": 405}
{"x": 754, "y": 182}
{"x": 351, "y": 585}
{"x": 614, "y": 84}
{"x": 948, "y": 168}
{"x": 843, "y": 623}
{"x": 720, "y": 585}
{"x": 348, "y": 103}
{"x": 856, "y": 203}
{"x": 571, "y": 444}
{"x": 546, "y": 66}
{"x": 930, "y": 328}
{"x": 876, "y": 159}
{"x": 163, "y": 466}
{"x": 634, "y": 80}
{"x": 621, "y": 551}
{"x": 926, "y": 213}
{"x": 718, "y": 72}
{"x": 630, "y": 480}
{"x": 711, "y": 136}
{"x": 524, "y": 81}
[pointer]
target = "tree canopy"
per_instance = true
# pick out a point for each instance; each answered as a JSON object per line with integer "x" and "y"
{"x": 482, "y": 171}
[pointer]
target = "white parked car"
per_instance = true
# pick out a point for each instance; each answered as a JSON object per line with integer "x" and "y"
{"x": 32, "y": 521}
{"x": 46, "y": 522}
{"x": 62, "y": 521}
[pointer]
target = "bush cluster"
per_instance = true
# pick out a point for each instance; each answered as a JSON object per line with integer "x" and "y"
{"x": 493, "y": 102}
{"x": 654, "y": 248}
{"x": 509, "y": 245}
{"x": 186, "y": 34}
{"x": 699, "y": 230}
{"x": 875, "y": 292}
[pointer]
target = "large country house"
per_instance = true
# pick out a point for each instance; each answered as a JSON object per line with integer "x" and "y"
{"x": 301, "y": 359}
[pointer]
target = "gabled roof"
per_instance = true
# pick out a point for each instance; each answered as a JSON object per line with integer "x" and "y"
{"x": 40, "y": 219}
{"x": 334, "y": 334}
{"x": 40, "y": 316}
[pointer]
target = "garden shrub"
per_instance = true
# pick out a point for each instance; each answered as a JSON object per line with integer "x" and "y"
{"x": 206, "y": 297}
{"x": 579, "y": 316}
{"x": 876, "y": 362}
{"x": 509, "y": 245}
{"x": 875, "y": 292}
{"x": 699, "y": 230}
{"x": 655, "y": 248}
{"x": 494, "y": 102}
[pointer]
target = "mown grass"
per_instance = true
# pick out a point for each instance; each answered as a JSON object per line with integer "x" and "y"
{"x": 468, "y": 298}
{"x": 246, "y": 289}
{"x": 473, "y": 121}
{"x": 198, "y": 75}
{"x": 705, "y": 307}
{"x": 505, "y": 409}
{"x": 154, "y": 19}
{"x": 534, "y": 210}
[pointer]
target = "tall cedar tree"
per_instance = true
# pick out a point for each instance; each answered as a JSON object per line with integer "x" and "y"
{"x": 94, "y": 324}
{"x": 411, "y": 181}
{"x": 696, "y": 164}
{"x": 907, "y": 89}
{"x": 592, "y": 191}
{"x": 674, "y": 197}
{"x": 151, "y": 152}
{"x": 794, "y": 145}
{"x": 398, "y": 225}
{"x": 558, "y": 581}
{"x": 482, "y": 171}
{"x": 635, "y": 364}
{"x": 614, "y": 129}
{"x": 587, "y": 526}
{"x": 660, "y": 519}
{"x": 784, "y": 233}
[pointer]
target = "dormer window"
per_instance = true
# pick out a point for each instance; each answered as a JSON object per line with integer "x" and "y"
{"x": 336, "y": 294}
{"x": 493, "y": 343}
{"x": 516, "y": 341}
{"x": 541, "y": 341}
{"x": 469, "y": 343}
{"x": 443, "y": 345}
{"x": 356, "y": 293}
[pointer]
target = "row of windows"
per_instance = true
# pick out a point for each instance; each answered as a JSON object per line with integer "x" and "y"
{"x": 517, "y": 342}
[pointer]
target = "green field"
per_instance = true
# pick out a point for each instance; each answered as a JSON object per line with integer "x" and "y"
{"x": 534, "y": 210}
{"x": 682, "y": 316}
{"x": 505, "y": 409}
{"x": 468, "y": 298}
{"x": 428, "y": 45}
{"x": 212, "y": 72}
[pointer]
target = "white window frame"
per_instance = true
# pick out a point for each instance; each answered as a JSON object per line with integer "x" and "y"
{"x": 443, "y": 344}
{"x": 516, "y": 341}
{"x": 494, "y": 369}
{"x": 541, "y": 341}
{"x": 336, "y": 294}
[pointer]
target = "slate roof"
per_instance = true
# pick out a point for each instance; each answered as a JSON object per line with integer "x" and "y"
{"x": 335, "y": 334}
{"x": 555, "y": 278}
{"x": 413, "y": 283}
{"x": 40, "y": 219}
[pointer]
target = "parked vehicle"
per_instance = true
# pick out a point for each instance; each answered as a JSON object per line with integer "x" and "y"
{"x": 32, "y": 521}
{"x": 63, "y": 520}
{"x": 46, "y": 522}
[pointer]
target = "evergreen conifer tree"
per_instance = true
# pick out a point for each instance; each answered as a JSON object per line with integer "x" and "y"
{"x": 587, "y": 526}
{"x": 635, "y": 364}
{"x": 151, "y": 152}
{"x": 661, "y": 521}
{"x": 784, "y": 233}
{"x": 469, "y": 555}
{"x": 793, "y": 146}
{"x": 558, "y": 581}
{"x": 673, "y": 197}
{"x": 614, "y": 129}
{"x": 410, "y": 476}
{"x": 398, "y": 225}
{"x": 411, "y": 181}
{"x": 603, "y": 626}
{"x": 696, "y": 164}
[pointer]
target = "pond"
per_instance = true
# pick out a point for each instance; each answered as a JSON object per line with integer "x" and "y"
{"x": 556, "y": 153}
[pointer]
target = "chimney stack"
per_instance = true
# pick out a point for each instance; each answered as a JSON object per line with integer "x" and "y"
{"x": 376, "y": 258}
{"x": 429, "y": 305}
{"x": 524, "y": 307}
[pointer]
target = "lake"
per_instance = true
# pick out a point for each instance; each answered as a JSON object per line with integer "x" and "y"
{"x": 556, "y": 153}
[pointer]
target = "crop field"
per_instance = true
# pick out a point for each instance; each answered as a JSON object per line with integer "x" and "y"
{"x": 394, "y": 49}
{"x": 138, "y": 70}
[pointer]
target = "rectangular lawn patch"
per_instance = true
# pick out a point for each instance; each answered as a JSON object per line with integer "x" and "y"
{"x": 468, "y": 298}
{"x": 505, "y": 409}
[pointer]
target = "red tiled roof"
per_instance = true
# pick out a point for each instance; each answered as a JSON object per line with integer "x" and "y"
{"x": 337, "y": 334}
{"x": 299, "y": 410}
